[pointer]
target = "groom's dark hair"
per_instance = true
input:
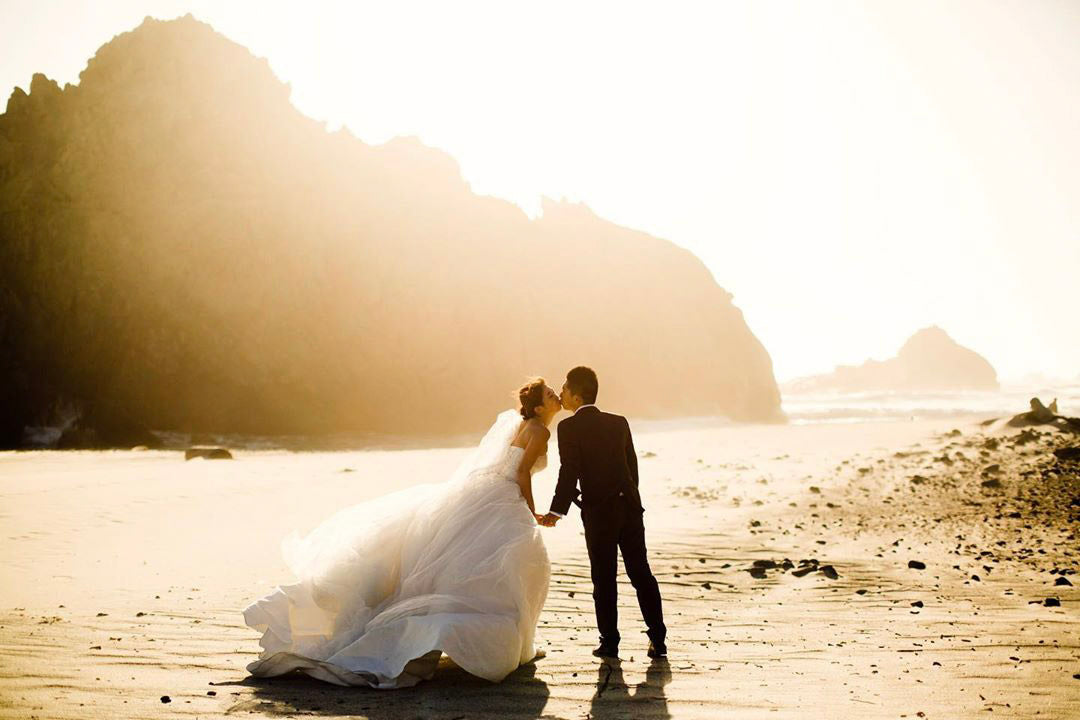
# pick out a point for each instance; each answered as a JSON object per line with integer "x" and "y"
{"x": 582, "y": 382}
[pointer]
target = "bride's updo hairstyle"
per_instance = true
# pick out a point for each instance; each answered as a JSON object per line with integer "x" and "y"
{"x": 531, "y": 396}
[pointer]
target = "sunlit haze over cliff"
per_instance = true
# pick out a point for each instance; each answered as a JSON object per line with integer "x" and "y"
{"x": 851, "y": 172}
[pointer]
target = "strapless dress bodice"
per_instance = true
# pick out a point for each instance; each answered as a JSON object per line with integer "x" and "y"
{"x": 512, "y": 460}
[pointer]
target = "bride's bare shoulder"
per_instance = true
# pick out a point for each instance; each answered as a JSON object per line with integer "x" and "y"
{"x": 539, "y": 428}
{"x": 529, "y": 429}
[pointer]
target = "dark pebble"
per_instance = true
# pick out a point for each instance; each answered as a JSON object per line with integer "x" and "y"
{"x": 757, "y": 572}
{"x": 1062, "y": 581}
{"x": 916, "y": 564}
{"x": 1067, "y": 453}
{"x": 917, "y": 603}
{"x": 805, "y": 570}
{"x": 829, "y": 571}
{"x": 166, "y": 699}
{"x": 1052, "y": 602}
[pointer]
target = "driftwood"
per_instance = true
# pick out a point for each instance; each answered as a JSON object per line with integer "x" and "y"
{"x": 1042, "y": 415}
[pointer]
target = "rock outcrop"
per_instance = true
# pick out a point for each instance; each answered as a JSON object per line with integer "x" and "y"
{"x": 930, "y": 360}
{"x": 183, "y": 249}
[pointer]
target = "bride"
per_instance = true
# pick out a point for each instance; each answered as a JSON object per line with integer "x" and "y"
{"x": 386, "y": 586}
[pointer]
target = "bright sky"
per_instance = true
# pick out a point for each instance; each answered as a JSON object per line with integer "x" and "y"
{"x": 851, "y": 171}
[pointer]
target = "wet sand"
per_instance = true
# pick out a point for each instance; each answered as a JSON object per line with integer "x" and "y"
{"x": 122, "y": 577}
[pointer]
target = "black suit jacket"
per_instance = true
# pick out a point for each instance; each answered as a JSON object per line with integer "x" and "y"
{"x": 597, "y": 450}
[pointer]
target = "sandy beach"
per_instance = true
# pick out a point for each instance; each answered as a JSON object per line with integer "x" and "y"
{"x": 122, "y": 577}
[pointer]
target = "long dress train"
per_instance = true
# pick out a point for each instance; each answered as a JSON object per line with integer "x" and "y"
{"x": 385, "y": 586}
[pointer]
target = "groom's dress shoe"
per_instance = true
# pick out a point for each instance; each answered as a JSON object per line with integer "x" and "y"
{"x": 604, "y": 651}
{"x": 657, "y": 650}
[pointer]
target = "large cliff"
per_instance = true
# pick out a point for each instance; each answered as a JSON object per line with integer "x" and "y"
{"x": 182, "y": 249}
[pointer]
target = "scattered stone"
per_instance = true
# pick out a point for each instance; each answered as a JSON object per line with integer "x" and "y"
{"x": 805, "y": 570}
{"x": 1052, "y": 602}
{"x": 211, "y": 693}
{"x": 166, "y": 699}
{"x": 916, "y": 565}
{"x": 209, "y": 453}
{"x": 917, "y": 603}
{"x": 706, "y": 585}
{"x": 829, "y": 571}
{"x": 1067, "y": 453}
{"x": 860, "y": 591}
{"x": 1025, "y": 437}
{"x": 815, "y": 489}
{"x": 757, "y": 572}
{"x": 991, "y": 483}
{"x": 918, "y": 479}
{"x": 1063, "y": 581}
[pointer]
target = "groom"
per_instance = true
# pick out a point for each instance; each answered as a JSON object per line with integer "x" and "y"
{"x": 596, "y": 448}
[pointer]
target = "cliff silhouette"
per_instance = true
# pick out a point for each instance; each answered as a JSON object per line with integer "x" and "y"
{"x": 929, "y": 360}
{"x": 183, "y": 250}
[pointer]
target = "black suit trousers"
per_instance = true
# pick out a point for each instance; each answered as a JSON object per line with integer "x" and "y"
{"x": 615, "y": 527}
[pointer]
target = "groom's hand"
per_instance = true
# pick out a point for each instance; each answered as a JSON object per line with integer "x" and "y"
{"x": 548, "y": 520}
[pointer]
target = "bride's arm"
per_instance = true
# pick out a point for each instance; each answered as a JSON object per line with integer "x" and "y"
{"x": 533, "y": 449}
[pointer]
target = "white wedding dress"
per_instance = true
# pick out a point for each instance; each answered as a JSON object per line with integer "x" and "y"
{"x": 385, "y": 586}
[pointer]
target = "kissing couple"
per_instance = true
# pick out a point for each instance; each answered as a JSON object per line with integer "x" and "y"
{"x": 386, "y": 586}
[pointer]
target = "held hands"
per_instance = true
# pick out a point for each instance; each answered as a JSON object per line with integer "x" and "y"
{"x": 548, "y": 520}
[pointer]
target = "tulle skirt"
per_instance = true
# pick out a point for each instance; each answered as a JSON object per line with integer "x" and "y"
{"x": 384, "y": 587}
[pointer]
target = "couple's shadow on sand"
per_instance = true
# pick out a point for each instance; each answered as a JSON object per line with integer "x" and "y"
{"x": 453, "y": 693}
{"x": 614, "y": 698}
